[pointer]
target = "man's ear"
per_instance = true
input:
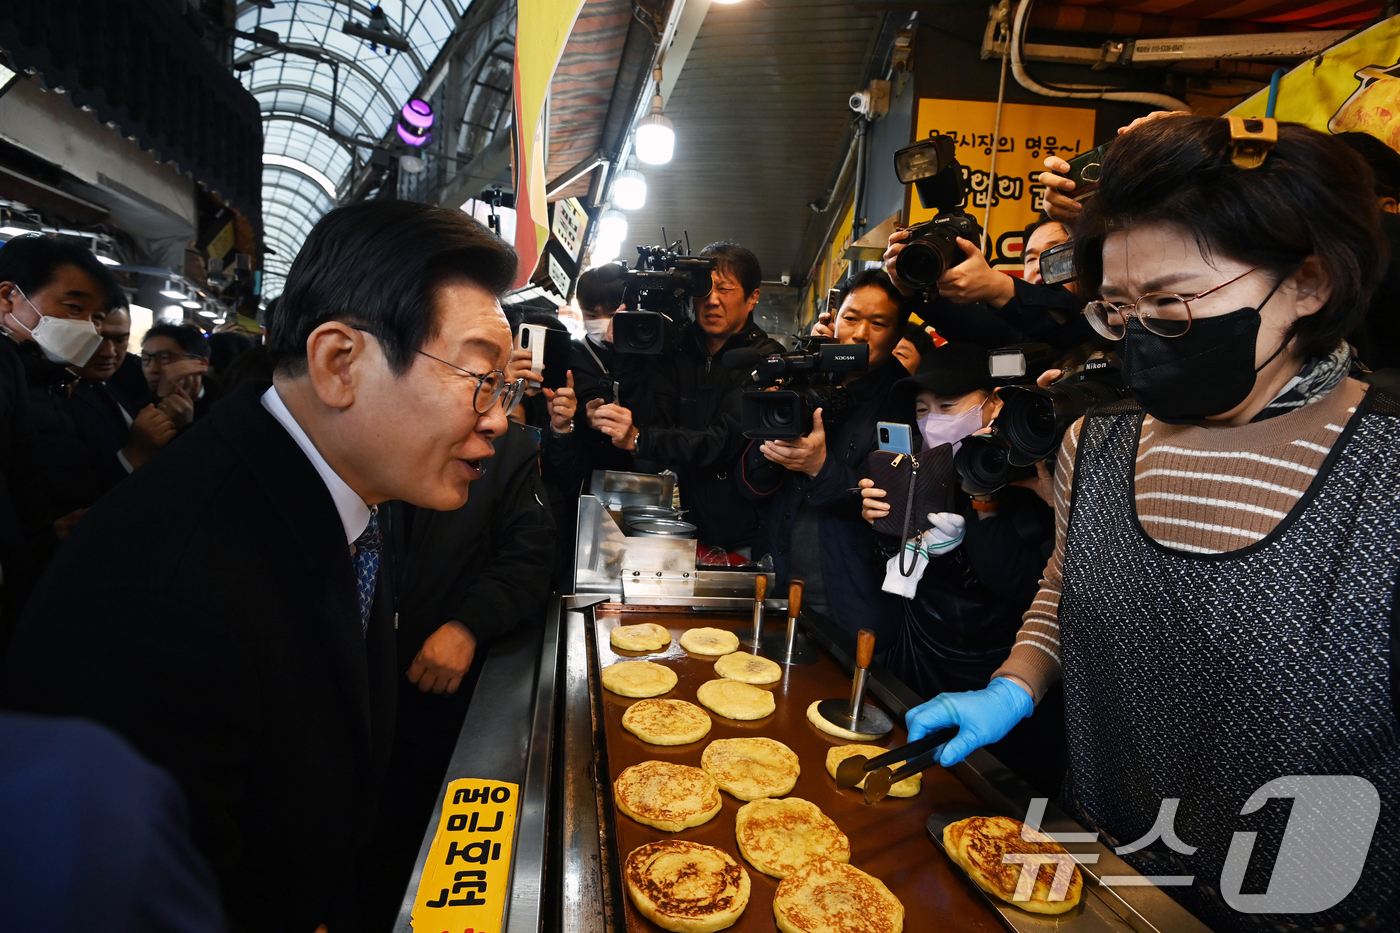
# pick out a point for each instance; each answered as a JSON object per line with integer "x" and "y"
{"x": 336, "y": 357}
{"x": 753, "y": 301}
{"x": 1312, "y": 286}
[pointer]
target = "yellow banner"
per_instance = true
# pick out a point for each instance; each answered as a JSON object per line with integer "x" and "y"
{"x": 541, "y": 30}
{"x": 1352, "y": 87}
{"x": 1028, "y": 133}
{"x": 466, "y": 879}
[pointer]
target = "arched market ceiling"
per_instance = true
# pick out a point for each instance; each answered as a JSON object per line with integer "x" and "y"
{"x": 312, "y": 108}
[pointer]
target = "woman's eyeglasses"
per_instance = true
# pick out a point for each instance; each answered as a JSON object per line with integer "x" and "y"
{"x": 1165, "y": 314}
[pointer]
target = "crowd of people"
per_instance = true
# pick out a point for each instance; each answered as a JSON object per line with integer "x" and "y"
{"x": 271, "y": 569}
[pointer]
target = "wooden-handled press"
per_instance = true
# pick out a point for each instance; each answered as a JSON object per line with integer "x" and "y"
{"x": 855, "y": 715}
{"x": 760, "y": 592}
{"x": 789, "y": 647}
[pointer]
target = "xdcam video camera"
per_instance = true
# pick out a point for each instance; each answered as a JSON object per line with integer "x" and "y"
{"x": 932, "y": 247}
{"x": 791, "y": 386}
{"x": 657, "y": 291}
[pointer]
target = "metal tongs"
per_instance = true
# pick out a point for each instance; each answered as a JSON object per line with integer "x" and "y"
{"x": 876, "y": 772}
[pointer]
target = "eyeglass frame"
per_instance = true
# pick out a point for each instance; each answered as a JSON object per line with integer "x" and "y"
{"x": 1135, "y": 313}
{"x": 175, "y": 355}
{"x": 510, "y": 394}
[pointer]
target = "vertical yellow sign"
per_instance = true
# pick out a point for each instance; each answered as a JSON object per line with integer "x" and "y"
{"x": 1028, "y": 133}
{"x": 466, "y": 879}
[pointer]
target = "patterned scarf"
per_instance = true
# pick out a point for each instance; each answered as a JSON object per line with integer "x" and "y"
{"x": 1317, "y": 377}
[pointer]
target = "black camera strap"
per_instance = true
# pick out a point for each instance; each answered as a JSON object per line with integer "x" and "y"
{"x": 908, "y": 519}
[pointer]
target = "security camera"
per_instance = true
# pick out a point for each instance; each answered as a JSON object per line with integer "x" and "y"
{"x": 873, "y": 102}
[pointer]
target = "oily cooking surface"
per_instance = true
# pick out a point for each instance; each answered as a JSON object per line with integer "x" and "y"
{"x": 887, "y": 840}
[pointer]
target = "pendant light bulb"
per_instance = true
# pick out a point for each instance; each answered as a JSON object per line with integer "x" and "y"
{"x": 656, "y": 136}
{"x": 630, "y": 190}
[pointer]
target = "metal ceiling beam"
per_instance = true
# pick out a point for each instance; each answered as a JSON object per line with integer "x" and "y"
{"x": 481, "y": 18}
{"x": 310, "y": 91}
{"x": 289, "y": 117}
{"x": 286, "y": 48}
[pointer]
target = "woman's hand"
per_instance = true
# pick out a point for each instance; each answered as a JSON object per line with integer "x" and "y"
{"x": 872, "y": 502}
{"x": 563, "y": 405}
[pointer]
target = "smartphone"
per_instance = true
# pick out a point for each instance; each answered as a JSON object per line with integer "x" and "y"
{"x": 549, "y": 353}
{"x": 894, "y": 437}
{"x": 1084, "y": 172}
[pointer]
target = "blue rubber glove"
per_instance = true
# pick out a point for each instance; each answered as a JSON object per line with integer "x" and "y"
{"x": 982, "y": 717}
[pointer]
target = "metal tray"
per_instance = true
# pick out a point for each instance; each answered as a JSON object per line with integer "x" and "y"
{"x": 1091, "y": 916}
{"x": 887, "y": 839}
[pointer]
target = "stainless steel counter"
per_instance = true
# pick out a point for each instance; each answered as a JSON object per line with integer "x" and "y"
{"x": 508, "y": 735}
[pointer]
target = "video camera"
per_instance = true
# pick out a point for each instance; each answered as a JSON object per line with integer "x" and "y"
{"x": 1030, "y": 425}
{"x": 791, "y": 386}
{"x": 657, "y": 292}
{"x": 932, "y": 246}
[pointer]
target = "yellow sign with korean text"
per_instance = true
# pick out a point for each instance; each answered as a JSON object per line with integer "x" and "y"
{"x": 466, "y": 879}
{"x": 1028, "y": 133}
{"x": 1352, "y": 87}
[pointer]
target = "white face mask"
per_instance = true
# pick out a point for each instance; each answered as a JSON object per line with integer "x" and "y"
{"x": 598, "y": 329}
{"x": 63, "y": 340}
{"x": 949, "y": 429}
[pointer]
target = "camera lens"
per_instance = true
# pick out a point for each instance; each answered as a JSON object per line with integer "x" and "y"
{"x": 982, "y": 464}
{"x": 919, "y": 264}
{"x": 884, "y": 435}
{"x": 782, "y": 415}
{"x": 644, "y": 332}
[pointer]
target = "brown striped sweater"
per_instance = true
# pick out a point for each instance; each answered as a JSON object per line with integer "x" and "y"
{"x": 1204, "y": 490}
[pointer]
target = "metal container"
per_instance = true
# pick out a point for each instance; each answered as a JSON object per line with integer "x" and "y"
{"x": 662, "y": 528}
{"x": 643, "y": 513}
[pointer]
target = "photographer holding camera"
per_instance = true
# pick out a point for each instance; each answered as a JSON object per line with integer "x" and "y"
{"x": 693, "y": 425}
{"x": 1036, "y": 311}
{"x": 811, "y": 520}
{"x": 1221, "y": 600}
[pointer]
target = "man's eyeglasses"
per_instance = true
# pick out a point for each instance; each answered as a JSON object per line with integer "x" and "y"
{"x": 1165, "y": 314}
{"x": 163, "y": 357}
{"x": 490, "y": 387}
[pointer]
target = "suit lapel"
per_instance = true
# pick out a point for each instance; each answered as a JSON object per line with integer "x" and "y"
{"x": 295, "y": 493}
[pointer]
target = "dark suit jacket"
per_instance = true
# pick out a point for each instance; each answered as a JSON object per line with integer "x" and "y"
{"x": 219, "y": 633}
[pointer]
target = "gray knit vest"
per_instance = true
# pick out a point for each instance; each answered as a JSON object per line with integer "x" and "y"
{"x": 1204, "y": 677}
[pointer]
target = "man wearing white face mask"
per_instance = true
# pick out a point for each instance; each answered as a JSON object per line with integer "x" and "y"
{"x": 49, "y": 291}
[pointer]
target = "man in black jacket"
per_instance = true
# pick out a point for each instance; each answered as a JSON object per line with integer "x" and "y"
{"x": 695, "y": 403}
{"x": 245, "y": 643}
{"x": 811, "y": 518}
{"x": 50, "y": 291}
{"x": 463, "y": 579}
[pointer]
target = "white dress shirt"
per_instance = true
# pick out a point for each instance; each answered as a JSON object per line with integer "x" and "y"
{"x": 354, "y": 514}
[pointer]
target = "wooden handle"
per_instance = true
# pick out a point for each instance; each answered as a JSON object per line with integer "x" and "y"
{"x": 795, "y": 599}
{"x": 865, "y": 648}
{"x": 760, "y": 588}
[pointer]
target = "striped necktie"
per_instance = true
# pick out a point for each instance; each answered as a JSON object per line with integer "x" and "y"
{"x": 366, "y": 554}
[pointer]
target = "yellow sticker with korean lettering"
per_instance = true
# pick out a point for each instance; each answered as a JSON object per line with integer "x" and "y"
{"x": 466, "y": 879}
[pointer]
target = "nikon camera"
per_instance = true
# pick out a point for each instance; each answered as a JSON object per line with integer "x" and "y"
{"x": 1031, "y": 424}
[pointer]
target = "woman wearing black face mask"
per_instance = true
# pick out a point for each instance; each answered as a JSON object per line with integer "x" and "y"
{"x": 1221, "y": 598}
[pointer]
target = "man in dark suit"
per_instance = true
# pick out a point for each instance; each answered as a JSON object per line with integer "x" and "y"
{"x": 245, "y": 642}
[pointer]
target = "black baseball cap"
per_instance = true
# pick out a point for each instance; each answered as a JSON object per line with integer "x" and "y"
{"x": 954, "y": 369}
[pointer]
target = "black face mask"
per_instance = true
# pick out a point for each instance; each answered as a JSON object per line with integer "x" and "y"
{"x": 1206, "y": 371}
